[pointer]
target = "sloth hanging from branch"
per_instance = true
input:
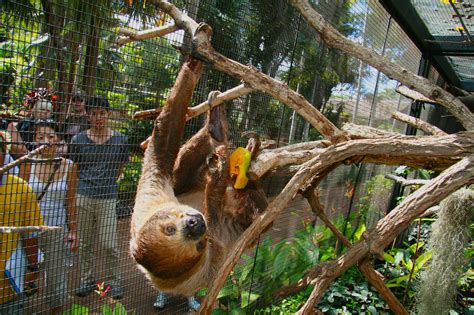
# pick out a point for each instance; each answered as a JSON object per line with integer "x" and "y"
{"x": 187, "y": 213}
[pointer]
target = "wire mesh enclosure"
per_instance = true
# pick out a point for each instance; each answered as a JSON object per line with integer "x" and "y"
{"x": 70, "y": 83}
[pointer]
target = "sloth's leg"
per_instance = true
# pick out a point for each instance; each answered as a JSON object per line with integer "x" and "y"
{"x": 216, "y": 185}
{"x": 190, "y": 166}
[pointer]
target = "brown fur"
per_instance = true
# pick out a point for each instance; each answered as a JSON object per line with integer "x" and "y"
{"x": 178, "y": 184}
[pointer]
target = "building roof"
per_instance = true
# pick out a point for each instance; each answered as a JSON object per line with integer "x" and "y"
{"x": 443, "y": 30}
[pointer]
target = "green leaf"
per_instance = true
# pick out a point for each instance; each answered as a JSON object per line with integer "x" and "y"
{"x": 119, "y": 309}
{"x": 228, "y": 291}
{"x": 106, "y": 310}
{"x": 282, "y": 260}
{"x": 358, "y": 233}
{"x": 422, "y": 259}
{"x": 77, "y": 309}
{"x": 398, "y": 258}
{"x": 372, "y": 310}
{"x": 389, "y": 258}
{"x": 245, "y": 298}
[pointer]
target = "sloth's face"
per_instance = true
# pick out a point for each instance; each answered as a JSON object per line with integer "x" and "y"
{"x": 172, "y": 243}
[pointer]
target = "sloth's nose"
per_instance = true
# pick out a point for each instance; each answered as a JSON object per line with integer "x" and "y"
{"x": 195, "y": 227}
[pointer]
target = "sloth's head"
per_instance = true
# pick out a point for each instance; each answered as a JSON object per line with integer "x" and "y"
{"x": 172, "y": 243}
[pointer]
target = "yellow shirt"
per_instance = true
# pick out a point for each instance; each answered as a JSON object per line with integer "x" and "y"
{"x": 18, "y": 207}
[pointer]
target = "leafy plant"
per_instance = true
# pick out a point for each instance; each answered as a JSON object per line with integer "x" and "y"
{"x": 275, "y": 265}
{"x": 403, "y": 264}
{"x": 106, "y": 309}
{"x": 349, "y": 294}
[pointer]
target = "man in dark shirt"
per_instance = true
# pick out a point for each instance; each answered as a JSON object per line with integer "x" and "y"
{"x": 99, "y": 154}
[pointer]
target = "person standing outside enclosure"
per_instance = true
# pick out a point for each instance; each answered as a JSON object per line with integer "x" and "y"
{"x": 18, "y": 252}
{"x": 100, "y": 154}
{"x": 77, "y": 120}
{"x": 54, "y": 183}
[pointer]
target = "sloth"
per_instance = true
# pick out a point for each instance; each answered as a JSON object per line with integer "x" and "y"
{"x": 187, "y": 215}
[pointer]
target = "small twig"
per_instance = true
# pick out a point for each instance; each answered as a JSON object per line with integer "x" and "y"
{"x": 131, "y": 36}
{"x": 406, "y": 182}
{"x": 228, "y": 95}
{"x": 25, "y": 229}
{"x": 23, "y": 159}
{"x": 418, "y": 123}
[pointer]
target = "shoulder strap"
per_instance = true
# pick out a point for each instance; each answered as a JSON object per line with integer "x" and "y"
{"x": 50, "y": 179}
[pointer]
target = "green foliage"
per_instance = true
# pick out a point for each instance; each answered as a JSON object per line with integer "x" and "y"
{"x": 349, "y": 294}
{"x": 131, "y": 174}
{"x": 399, "y": 263}
{"x": 275, "y": 265}
{"x": 105, "y": 309}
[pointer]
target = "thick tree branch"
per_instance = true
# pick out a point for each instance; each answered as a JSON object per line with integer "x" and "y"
{"x": 455, "y": 177}
{"x": 131, "y": 36}
{"x": 269, "y": 159}
{"x": 333, "y": 38}
{"x": 365, "y": 132}
{"x": 383, "y": 151}
{"x": 418, "y": 123}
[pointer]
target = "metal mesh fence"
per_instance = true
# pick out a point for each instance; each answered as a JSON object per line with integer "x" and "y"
{"x": 55, "y": 55}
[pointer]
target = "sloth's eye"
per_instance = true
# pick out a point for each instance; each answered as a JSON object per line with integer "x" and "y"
{"x": 170, "y": 230}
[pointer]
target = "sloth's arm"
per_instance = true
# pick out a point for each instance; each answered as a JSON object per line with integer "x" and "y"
{"x": 169, "y": 126}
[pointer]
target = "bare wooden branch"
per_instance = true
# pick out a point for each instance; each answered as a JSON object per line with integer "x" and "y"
{"x": 182, "y": 20}
{"x": 373, "y": 276}
{"x": 334, "y": 38}
{"x": 27, "y": 229}
{"x": 269, "y": 159}
{"x": 414, "y": 95}
{"x": 131, "y": 35}
{"x": 462, "y": 143}
{"x": 455, "y": 177}
{"x": 418, "y": 123}
{"x": 303, "y": 146}
{"x": 406, "y": 182}
{"x": 46, "y": 160}
{"x": 23, "y": 159}
{"x": 226, "y": 96}
{"x": 365, "y": 132}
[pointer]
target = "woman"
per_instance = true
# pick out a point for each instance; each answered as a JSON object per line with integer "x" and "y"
{"x": 54, "y": 183}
